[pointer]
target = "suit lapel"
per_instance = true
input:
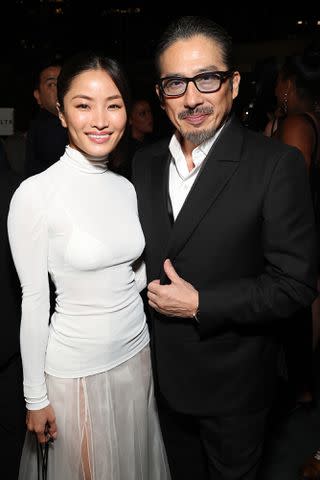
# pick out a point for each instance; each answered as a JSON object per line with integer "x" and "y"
{"x": 221, "y": 164}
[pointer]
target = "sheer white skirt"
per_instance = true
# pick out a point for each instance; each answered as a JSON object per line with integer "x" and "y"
{"x": 108, "y": 427}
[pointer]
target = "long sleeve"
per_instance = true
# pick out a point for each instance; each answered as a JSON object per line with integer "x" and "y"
{"x": 46, "y": 142}
{"x": 28, "y": 237}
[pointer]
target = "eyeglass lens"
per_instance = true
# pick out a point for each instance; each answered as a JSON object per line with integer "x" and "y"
{"x": 206, "y": 82}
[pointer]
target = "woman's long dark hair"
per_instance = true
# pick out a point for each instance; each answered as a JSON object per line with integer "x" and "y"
{"x": 305, "y": 71}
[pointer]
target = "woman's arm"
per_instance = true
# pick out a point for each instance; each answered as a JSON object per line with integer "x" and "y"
{"x": 28, "y": 238}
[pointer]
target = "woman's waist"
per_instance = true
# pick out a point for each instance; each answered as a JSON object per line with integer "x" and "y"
{"x": 98, "y": 323}
{"x": 95, "y": 303}
{"x": 76, "y": 357}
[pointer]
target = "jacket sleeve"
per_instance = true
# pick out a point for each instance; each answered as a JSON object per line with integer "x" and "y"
{"x": 288, "y": 281}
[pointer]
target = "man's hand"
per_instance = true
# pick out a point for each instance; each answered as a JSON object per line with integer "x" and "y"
{"x": 43, "y": 423}
{"x": 179, "y": 299}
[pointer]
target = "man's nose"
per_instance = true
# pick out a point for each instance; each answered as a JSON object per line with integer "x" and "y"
{"x": 192, "y": 96}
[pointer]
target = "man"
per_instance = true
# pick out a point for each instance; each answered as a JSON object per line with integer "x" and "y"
{"x": 46, "y": 138}
{"x": 230, "y": 252}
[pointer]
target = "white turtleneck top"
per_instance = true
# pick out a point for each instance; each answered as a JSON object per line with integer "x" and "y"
{"x": 78, "y": 221}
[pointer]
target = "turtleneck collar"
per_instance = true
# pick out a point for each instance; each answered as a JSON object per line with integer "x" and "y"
{"x": 86, "y": 163}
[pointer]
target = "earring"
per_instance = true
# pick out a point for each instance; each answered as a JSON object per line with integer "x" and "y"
{"x": 284, "y": 106}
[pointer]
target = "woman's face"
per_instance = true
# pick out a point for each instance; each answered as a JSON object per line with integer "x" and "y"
{"x": 94, "y": 113}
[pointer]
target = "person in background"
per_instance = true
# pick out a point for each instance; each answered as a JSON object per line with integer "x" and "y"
{"x": 261, "y": 106}
{"x": 140, "y": 133}
{"x": 46, "y": 137}
{"x": 12, "y": 411}
{"x": 141, "y": 121}
{"x": 230, "y": 254}
{"x": 87, "y": 376}
{"x": 298, "y": 124}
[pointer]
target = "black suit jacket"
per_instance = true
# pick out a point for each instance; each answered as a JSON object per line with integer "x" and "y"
{"x": 10, "y": 292}
{"x": 245, "y": 239}
{"x": 46, "y": 142}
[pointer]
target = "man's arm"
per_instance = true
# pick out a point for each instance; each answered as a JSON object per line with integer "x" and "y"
{"x": 289, "y": 279}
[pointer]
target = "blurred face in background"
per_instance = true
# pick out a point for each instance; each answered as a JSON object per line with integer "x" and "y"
{"x": 141, "y": 119}
{"x": 46, "y": 93}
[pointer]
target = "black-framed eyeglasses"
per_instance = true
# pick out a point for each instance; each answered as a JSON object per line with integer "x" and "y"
{"x": 206, "y": 82}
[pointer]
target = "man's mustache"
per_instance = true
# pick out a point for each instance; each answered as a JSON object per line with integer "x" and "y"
{"x": 195, "y": 111}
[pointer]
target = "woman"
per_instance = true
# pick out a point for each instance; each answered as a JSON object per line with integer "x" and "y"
{"x": 298, "y": 110}
{"x": 87, "y": 377}
{"x": 297, "y": 123}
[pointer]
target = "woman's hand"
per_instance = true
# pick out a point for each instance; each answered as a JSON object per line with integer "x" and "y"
{"x": 43, "y": 423}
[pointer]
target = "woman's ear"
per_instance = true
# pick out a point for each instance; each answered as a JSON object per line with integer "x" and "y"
{"x": 61, "y": 116}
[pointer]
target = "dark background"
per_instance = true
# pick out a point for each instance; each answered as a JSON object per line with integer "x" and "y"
{"x": 129, "y": 31}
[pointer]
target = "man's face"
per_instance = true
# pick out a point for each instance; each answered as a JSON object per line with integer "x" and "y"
{"x": 46, "y": 94}
{"x": 197, "y": 115}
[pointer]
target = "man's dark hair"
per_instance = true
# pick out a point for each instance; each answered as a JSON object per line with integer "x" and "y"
{"x": 189, "y": 26}
{"x": 41, "y": 65}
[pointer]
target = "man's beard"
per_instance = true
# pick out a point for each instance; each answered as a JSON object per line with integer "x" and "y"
{"x": 197, "y": 136}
